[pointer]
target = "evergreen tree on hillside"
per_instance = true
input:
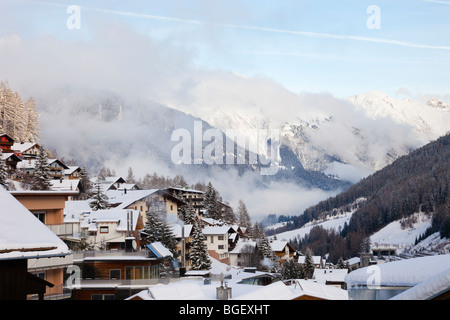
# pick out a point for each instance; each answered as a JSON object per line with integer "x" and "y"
{"x": 18, "y": 119}
{"x": 199, "y": 252}
{"x": 41, "y": 179}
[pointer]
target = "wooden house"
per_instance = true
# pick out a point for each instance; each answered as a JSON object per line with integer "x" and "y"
{"x": 31, "y": 255}
{"x": 48, "y": 207}
{"x": 26, "y": 150}
{"x": 6, "y": 143}
{"x": 117, "y": 274}
{"x": 283, "y": 250}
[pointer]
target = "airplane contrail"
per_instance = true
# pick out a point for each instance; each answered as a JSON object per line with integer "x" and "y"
{"x": 316, "y": 35}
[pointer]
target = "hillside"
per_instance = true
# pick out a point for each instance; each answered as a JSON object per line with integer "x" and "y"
{"x": 415, "y": 184}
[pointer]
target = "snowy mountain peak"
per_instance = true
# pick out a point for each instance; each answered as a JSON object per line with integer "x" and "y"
{"x": 438, "y": 104}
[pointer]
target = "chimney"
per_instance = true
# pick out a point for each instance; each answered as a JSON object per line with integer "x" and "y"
{"x": 223, "y": 292}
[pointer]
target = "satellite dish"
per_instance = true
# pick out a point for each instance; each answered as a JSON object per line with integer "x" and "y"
{"x": 134, "y": 244}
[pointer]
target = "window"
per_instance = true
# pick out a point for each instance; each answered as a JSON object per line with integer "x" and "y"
{"x": 141, "y": 272}
{"x": 220, "y": 246}
{"x": 40, "y": 216}
{"x": 220, "y": 237}
{"x": 212, "y": 239}
{"x": 114, "y": 274}
{"x": 102, "y": 297}
{"x": 104, "y": 229}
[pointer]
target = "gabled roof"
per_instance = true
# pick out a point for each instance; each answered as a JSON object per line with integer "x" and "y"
{"x": 23, "y": 236}
{"x": 125, "y": 200}
{"x": 217, "y": 230}
{"x": 279, "y": 245}
{"x": 159, "y": 250}
{"x": 119, "y": 216}
{"x": 24, "y": 146}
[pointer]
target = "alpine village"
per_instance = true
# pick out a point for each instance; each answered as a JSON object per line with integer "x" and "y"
{"x": 70, "y": 234}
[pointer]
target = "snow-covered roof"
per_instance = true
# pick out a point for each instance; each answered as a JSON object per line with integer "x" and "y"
{"x": 126, "y": 199}
{"x": 405, "y": 273}
{"x": 427, "y": 289}
{"x": 216, "y": 230}
{"x": 316, "y": 259}
{"x": 323, "y": 275}
{"x": 22, "y": 147}
{"x": 22, "y": 235}
{"x": 322, "y": 291}
{"x": 65, "y": 184}
{"x": 241, "y": 244}
{"x": 176, "y": 230}
{"x": 159, "y": 250}
{"x": 71, "y": 169}
{"x": 110, "y": 215}
{"x": 185, "y": 190}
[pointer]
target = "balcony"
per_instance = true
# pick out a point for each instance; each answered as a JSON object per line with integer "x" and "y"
{"x": 62, "y": 230}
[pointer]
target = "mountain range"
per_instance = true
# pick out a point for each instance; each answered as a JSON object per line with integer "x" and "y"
{"x": 326, "y": 144}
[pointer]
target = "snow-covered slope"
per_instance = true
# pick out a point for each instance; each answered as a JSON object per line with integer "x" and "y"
{"x": 397, "y": 235}
{"x": 328, "y": 223}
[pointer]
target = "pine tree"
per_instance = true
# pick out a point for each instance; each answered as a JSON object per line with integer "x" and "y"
{"x": 189, "y": 217}
{"x": 243, "y": 216}
{"x": 41, "y": 175}
{"x": 309, "y": 264}
{"x": 3, "y": 173}
{"x": 199, "y": 252}
{"x": 292, "y": 270}
{"x": 152, "y": 229}
{"x": 340, "y": 263}
{"x": 85, "y": 183}
{"x": 210, "y": 202}
{"x": 31, "y": 122}
{"x": 99, "y": 198}
{"x": 157, "y": 229}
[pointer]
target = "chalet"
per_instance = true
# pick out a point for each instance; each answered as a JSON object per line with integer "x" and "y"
{"x": 109, "y": 183}
{"x": 48, "y": 207}
{"x": 31, "y": 255}
{"x": 6, "y": 143}
{"x": 117, "y": 274}
{"x": 192, "y": 196}
{"x": 240, "y": 255}
{"x": 11, "y": 160}
{"x": 26, "y": 150}
{"x": 56, "y": 167}
{"x": 141, "y": 200}
{"x": 73, "y": 172}
{"x": 217, "y": 239}
{"x": 108, "y": 229}
{"x": 283, "y": 250}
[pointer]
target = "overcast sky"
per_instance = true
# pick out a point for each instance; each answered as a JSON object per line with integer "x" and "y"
{"x": 339, "y": 47}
